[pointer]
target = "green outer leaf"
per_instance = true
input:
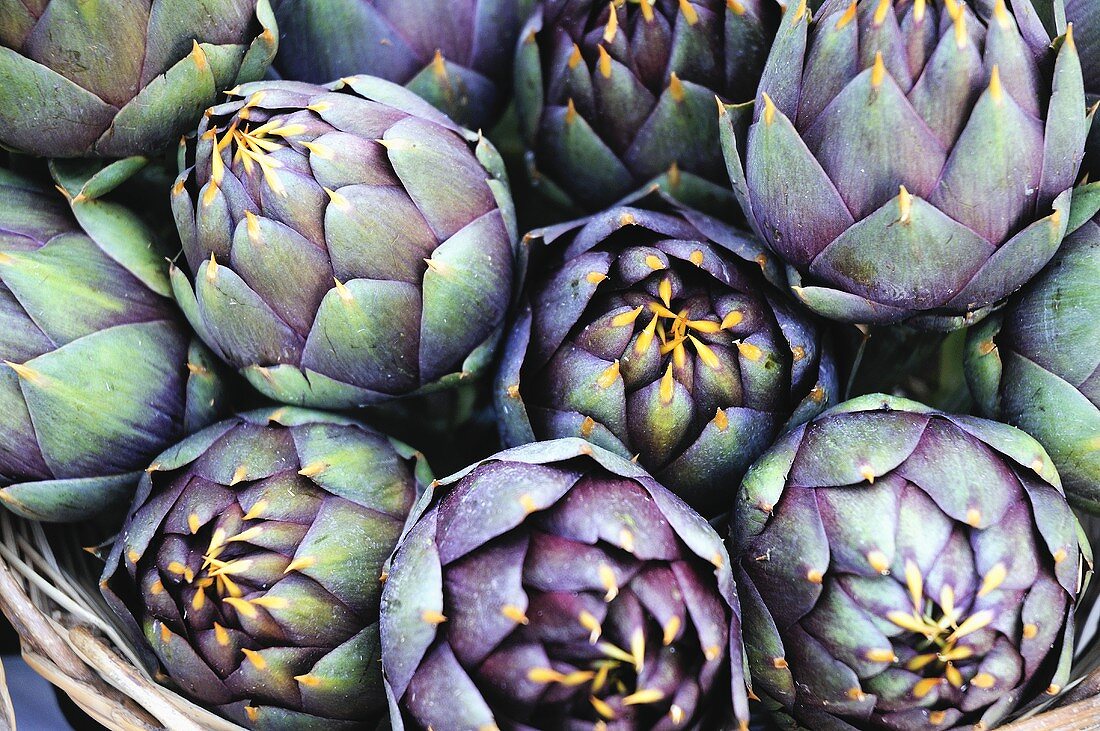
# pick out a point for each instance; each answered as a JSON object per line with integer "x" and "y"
{"x": 350, "y": 672}
{"x": 30, "y": 94}
{"x": 877, "y": 401}
{"x": 207, "y": 391}
{"x": 261, "y": 52}
{"x": 69, "y": 500}
{"x": 1062, "y": 419}
{"x": 692, "y": 190}
{"x": 1014, "y": 444}
{"x": 91, "y": 178}
{"x": 732, "y": 123}
{"x": 900, "y": 264}
{"x": 411, "y": 592}
{"x": 1085, "y": 205}
{"x": 464, "y": 290}
{"x": 983, "y": 370}
{"x": 782, "y": 76}
{"x": 1016, "y": 261}
{"x": 457, "y": 93}
{"x": 152, "y": 119}
{"x": 91, "y": 424}
{"x": 288, "y": 384}
{"x": 513, "y": 420}
{"x": 188, "y": 304}
{"x": 1066, "y": 128}
{"x": 530, "y": 97}
{"x": 126, "y": 239}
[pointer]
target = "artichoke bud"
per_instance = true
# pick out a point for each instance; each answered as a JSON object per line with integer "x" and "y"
{"x": 616, "y": 97}
{"x": 634, "y": 627}
{"x": 964, "y": 122}
{"x": 231, "y": 575}
{"x": 681, "y": 328}
{"x": 315, "y": 198}
{"x": 906, "y": 564}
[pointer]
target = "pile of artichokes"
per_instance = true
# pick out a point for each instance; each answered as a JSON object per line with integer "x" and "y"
{"x": 626, "y": 271}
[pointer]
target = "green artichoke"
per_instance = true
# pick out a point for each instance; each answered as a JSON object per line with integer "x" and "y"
{"x": 558, "y": 586}
{"x": 902, "y": 568}
{"x": 912, "y": 159}
{"x": 99, "y": 372}
{"x": 656, "y": 335}
{"x": 1037, "y": 364}
{"x": 1085, "y": 16}
{"x": 350, "y": 244}
{"x": 250, "y": 563}
{"x": 125, "y": 77}
{"x": 457, "y": 54}
{"x": 612, "y": 96}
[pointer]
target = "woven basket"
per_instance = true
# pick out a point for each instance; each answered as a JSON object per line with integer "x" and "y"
{"x": 49, "y": 590}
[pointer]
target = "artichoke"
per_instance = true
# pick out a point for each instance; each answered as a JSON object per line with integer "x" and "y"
{"x": 1085, "y": 16}
{"x": 902, "y": 568}
{"x": 1036, "y": 366}
{"x": 350, "y": 244}
{"x": 655, "y": 334}
{"x": 614, "y": 95}
{"x": 457, "y": 54}
{"x": 912, "y": 159}
{"x": 119, "y": 78}
{"x": 99, "y": 372}
{"x": 558, "y": 586}
{"x": 250, "y": 564}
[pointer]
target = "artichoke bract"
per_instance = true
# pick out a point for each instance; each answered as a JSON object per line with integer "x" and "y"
{"x": 99, "y": 372}
{"x": 612, "y": 96}
{"x": 912, "y": 159}
{"x": 1036, "y": 364}
{"x": 250, "y": 564}
{"x": 656, "y": 334}
{"x": 1085, "y": 16}
{"x": 457, "y": 54}
{"x": 120, "y": 78}
{"x": 350, "y": 244}
{"x": 556, "y": 585}
{"x": 901, "y": 568}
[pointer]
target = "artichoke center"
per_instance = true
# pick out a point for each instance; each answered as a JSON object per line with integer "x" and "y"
{"x": 250, "y": 149}
{"x": 675, "y": 330}
{"x": 219, "y": 574}
{"x": 614, "y": 669}
{"x": 937, "y": 629}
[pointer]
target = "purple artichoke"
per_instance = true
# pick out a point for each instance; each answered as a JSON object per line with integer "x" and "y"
{"x": 901, "y": 568}
{"x": 656, "y": 335}
{"x": 250, "y": 564}
{"x": 457, "y": 54}
{"x": 558, "y": 586}
{"x": 350, "y": 244}
{"x": 1037, "y": 364}
{"x": 612, "y": 96}
{"x": 912, "y": 159}
{"x": 124, "y": 77}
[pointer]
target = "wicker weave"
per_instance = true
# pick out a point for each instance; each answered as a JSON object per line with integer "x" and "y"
{"x": 49, "y": 591}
